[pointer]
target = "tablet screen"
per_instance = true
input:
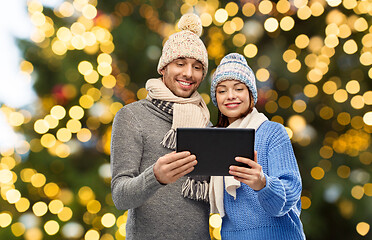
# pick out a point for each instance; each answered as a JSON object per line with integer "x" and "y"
{"x": 216, "y": 148}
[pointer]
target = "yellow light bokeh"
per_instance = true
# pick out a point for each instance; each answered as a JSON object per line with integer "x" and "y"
{"x": 311, "y": 90}
{"x": 248, "y": 9}
{"x": 283, "y": 6}
{"x": 294, "y": 65}
{"x": 221, "y": 15}
{"x": 317, "y": 173}
{"x": 271, "y": 24}
{"x": 305, "y": 202}
{"x": 357, "y": 192}
{"x": 86, "y": 101}
{"x": 64, "y": 135}
{"x": 317, "y": 9}
{"x": 363, "y": 228}
{"x": 265, "y": 7}
{"x": 250, "y": 50}
{"x": 84, "y": 135}
{"x": 206, "y": 19}
{"x": 91, "y": 76}
{"x": 367, "y": 118}
{"x": 350, "y": 47}
{"x": 58, "y": 112}
{"x": 38, "y": 180}
{"x": 94, "y": 206}
{"x": 326, "y": 112}
{"x": 76, "y": 112}
{"x": 48, "y": 140}
{"x": 287, "y": 23}
{"x": 5, "y": 219}
{"x": 104, "y": 68}
{"x": 232, "y": 8}
{"x": 326, "y": 152}
{"x": 52, "y": 121}
{"x": 262, "y": 74}
{"x": 65, "y": 214}
{"x": 340, "y": 96}
{"x": 108, "y": 220}
{"x": 85, "y": 67}
{"x": 289, "y": 55}
{"x": 89, "y": 11}
{"x": 13, "y": 196}
{"x": 215, "y": 221}
{"x": 367, "y": 97}
{"x": 51, "y": 190}
{"x": 304, "y": 13}
{"x": 92, "y": 235}
{"x": 302, "y": 41}
{"x": 343, "y": 171}
{"x": 18, "y": 229}
{"x": 55, "y": 206}
{"x": 329, "y": 87}
{"x": 41, "y": 126}
{"x": 142, "y": 93}
{"x": 51, "y": 227}
{"x": 40, "y": 209}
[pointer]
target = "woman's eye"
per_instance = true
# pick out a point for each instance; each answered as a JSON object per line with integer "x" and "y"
{"x": 239, "y": 89}
{"x": 221, "y": 91}
{"x": 197, "y": 67}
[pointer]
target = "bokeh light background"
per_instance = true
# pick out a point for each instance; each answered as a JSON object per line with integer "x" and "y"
{"x": 88, "y": 58}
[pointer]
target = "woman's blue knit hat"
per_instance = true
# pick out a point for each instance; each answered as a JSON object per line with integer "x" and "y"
{"x": 234, "y": 67}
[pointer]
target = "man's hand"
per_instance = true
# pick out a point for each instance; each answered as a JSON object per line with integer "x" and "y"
{"x": 172, "y": 166}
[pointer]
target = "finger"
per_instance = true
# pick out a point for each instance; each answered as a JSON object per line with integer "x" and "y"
{"x": 184, "y": 169}
{"x": 255, "y": 156}
{"x": 173, "y": 156}
{"x": 182, "y": 162}
{"x": 244, "y": 170}
{"x": 239, "y": 175}
{"x": 247, "y": 161}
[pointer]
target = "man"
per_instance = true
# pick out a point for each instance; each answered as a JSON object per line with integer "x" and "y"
{"x": 148, "y": 177}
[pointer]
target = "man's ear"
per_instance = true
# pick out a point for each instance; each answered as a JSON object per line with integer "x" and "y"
{"x": 162, "y": 71}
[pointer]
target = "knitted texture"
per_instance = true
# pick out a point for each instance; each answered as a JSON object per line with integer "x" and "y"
{"x": 234, "y": 67}
{"x": 274, "y": 211}
{"x": 156, "y": 211}
{"x": 186, "y": 43}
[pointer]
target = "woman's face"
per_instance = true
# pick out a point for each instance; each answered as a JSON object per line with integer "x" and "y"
{"x": 232, "y": 99}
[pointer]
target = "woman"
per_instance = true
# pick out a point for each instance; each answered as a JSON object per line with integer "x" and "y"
{"x": 261, "y": 202}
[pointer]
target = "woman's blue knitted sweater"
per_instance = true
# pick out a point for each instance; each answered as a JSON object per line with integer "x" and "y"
{"x": 274, "y": 211}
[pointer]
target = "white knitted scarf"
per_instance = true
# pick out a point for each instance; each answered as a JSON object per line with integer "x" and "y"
{"x": 187, "y": 112}
{"x": 216, "y": 186}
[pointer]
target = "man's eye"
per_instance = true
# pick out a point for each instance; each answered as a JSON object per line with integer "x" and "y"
{"x": 180, "y": 64}
{"x": 197, "y": 67}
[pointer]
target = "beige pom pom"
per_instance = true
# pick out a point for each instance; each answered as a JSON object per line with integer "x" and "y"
{"x": 191, "y": 22}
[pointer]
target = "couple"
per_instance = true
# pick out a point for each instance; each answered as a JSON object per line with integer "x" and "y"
{"x": 148, "y": 176}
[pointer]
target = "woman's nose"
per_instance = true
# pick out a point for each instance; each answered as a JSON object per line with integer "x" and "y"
{"x": 231, "y": 94}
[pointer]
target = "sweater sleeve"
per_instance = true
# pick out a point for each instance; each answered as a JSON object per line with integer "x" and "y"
{"x": 129, "y": 187}
{"x": 283, "y": 181}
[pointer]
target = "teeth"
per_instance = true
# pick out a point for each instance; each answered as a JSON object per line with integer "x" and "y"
{"x": 185, "y": 83}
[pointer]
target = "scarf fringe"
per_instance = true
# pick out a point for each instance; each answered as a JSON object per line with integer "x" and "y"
{"x": 195, "y": 190}
{"x": 170, "y": 139}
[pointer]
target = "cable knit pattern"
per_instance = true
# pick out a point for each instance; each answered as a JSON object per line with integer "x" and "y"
{"x": 274, "y": 211}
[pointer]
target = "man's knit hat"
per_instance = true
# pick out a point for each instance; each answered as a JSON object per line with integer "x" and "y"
{"x": 234, "y": 67}
{"x": 186, "y": 43}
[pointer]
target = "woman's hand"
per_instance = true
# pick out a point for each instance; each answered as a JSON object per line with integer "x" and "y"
{"x": 253, "y": 176}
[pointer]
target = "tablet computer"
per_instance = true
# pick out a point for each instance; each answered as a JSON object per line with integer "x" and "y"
{"x": 216, "y": 148}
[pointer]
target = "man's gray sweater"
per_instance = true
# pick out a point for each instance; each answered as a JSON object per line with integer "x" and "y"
{"x": 156, "y": 211}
